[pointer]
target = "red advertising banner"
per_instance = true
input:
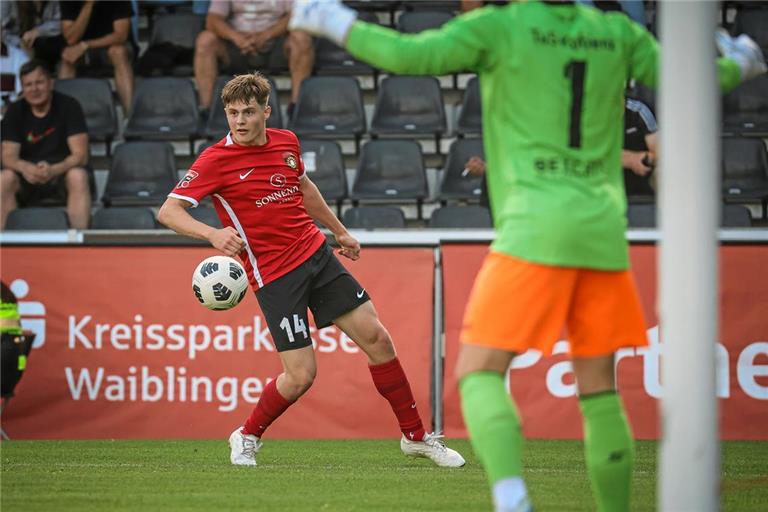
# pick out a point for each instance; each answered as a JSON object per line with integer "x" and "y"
{"x": 544, "y": 387}
{"x": 124, "y": 350}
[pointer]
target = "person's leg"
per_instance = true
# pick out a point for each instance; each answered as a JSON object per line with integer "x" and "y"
{"x": 78, "y": 197}
{"x": 209, "y": 50}
{"x": 301, "y": 59}
{"x": 67, "y": 68}
{"x": 120, "y": 56}
{"x": 608, "y": 443}
{"x": 9, "y": 186}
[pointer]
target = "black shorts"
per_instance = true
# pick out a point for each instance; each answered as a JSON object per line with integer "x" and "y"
{"x": 54, "y": 192}
{"x": 321, "y": 284}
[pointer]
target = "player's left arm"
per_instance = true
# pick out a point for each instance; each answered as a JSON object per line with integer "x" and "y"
{"x": 318, "y": 209}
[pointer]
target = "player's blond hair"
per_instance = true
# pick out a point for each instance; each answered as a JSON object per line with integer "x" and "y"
{"x": 244, "y": 88}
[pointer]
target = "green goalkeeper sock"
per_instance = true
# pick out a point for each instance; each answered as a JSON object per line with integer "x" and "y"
{"x": 609, "y": 450}
{"x": 493, "y": 424}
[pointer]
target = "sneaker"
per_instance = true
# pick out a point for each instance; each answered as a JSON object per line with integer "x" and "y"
{"x": 244, "y": 448}
{"x": 432, "y": 448}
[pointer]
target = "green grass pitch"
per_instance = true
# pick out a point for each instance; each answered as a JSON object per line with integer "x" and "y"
{"x": 296, "y": 476}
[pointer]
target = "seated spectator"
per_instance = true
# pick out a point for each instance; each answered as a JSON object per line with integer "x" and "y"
{"x": 239, "y": 37}
{"x": 639, "y": 154}
{"x": 97, "y": 32}
{"x": 44, "y": 149}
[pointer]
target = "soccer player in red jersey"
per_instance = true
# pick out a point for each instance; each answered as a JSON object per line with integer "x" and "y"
{"x": 266, "y": 204}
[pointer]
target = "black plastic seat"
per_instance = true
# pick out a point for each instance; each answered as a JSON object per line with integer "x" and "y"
{"x": 409, "y": 106}
{"x": 735, "y": 216}
{"x": 641, "y": 215}
{"x": 181, "y": 31}
{"x": 390, "y": 170}
{"x": 331, "y": 59}
{"x": 143, "y": 173}
{"x": 216, "y": 127}
{"x": 324, "y": 165}
{"x": 206, "y": 215}
{"x": 372, "y": 217}
{"x": 745, "y": 171}
{"x": 329, "y": 107}
{"x": 98, "y": 103}
{"x": 412, "y": 22}
{"x": 745, "y": 109}
{"x": 164, "y": 109}
{"x": 456, "y": 182}
{"x": 124, "y": 218}
{"x": 471, "y": 118}
{"x": 37, "y": 219}
{"x": 461, "y": 217}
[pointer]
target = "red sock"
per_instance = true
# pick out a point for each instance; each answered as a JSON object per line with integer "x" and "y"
{"x": 270, "y": 406}
{"x": 392, "y": 384}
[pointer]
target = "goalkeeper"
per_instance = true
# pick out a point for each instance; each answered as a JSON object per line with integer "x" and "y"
{"x": 552, "y": 77}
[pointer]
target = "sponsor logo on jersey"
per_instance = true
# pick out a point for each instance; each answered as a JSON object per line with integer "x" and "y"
{"x": 277, "y": 180}
{"x": 184, "y": 183}
{"x": 291, "y": 160}
{"x": 278, "y": 196}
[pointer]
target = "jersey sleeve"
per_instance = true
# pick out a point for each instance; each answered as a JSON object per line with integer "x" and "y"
{"x": 463, "y": 44}
{"x": 200, "y": 181}
{"x": 299, "y": 161}
{"x": 642, "y": 117}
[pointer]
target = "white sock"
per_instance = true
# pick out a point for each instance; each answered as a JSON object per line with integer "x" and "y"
{"x": 509, "y": 493}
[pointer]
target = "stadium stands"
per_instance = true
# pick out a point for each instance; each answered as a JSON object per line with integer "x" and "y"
{"x": 324, "y": 164}
{"x": 174, "y": 35}
{"x": 372, "y": 217}
{"x": 745, "y": 109}
{"x": 37, "y": 219}
{"x": 461, "y": 217}
{"x": 471, "y": 119}
{"x": 124, "y": 217}
{"x": 417, "y": 21}
{"x": 142, "y": 173}
{"x": 457, "y": 183}
{"x": 745, "y": 171}
{"x": 98, "y": 103}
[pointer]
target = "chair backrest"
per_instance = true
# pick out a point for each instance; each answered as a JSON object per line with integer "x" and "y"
{"x": 143, "y": 173}
{"x": 409, "y": 105}
{"x": 461, "y": 217}
{"x": 217, "y": 127}
{"x": 37, "y": 219}
{"x": 745, "y": 165}
{"x": 98, "y": 103}
{"x": 390, "y": 169}
{"x": 163, "y": 108}
{"x": 330, "y": 106}
{"x": 457, "y": 183}
{"x": 745, "y": 108}
{"x": 735, "y": 216}
{"x": 124, "y": 218}
{"x": 324, "y": 164}
{"x": 372, "y": 217}
{"x": 471, "y": 117}
{"x": 641, "y": 215}
{"x": 333, "y": 59}
{"x": 206, "y": 215}
{"x": 180, "y": 29}
{"x": 418, "y": 21}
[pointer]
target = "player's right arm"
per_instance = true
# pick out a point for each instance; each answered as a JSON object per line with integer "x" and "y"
{"x": 173, "y": 214}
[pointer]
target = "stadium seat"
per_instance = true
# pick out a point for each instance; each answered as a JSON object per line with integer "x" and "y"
{"x": 461, "y": 217}
{"x": 412, "y": 22}
{"x": 372, "y": 217}
{"x": 409, "y": 106}
{"x": 123, "y": 218}
{"x": 735, "y": 216}
{"x": 753, "y": 22}
{"x": 745, "y": 109}
{"x": 329, "y": 107}
{"x": 217, "y": 126}
{"x": 98, "y": 103}
{"x": 331, "y": 59}
{"x": 390, "y": 170}
{"x": 37, "y": 219}
{"x": 641, "y": 215}
{"x": 456, "y": 183}
{"x": 206, "y": 215}
{"x": 471, "y": 118}
{"x": 181, "y": 31}
{"x": 143, "y": 173}
{"x": 164, "y": 109}
{"x": 745, "y": 171}
{"x": 324, "y": 165}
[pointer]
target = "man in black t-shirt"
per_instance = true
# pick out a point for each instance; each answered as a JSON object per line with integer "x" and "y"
{"x": 45, "y": 149}
{"x": 639, "y": 153}
{"x": 97, "y": 32}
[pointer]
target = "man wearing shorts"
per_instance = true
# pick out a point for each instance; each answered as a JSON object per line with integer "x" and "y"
{"x": 552, "y": 78}
{"x": 266, "y": 204}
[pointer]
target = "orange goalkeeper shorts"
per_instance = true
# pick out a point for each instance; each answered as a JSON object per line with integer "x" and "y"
{"x": 516, "y": 305}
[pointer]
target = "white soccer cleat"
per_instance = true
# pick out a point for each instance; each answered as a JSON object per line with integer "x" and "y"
{"x": 744, "y": 51}
{"x": 328, "y": 18}
{"x": 244, "y": 448}
{"x": 524, "y": 506}
{"x": 433, "y": 448}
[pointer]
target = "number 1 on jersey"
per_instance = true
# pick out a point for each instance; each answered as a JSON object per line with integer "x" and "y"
{"x": 298, "y": 327}
{"x": 576, "y": 71}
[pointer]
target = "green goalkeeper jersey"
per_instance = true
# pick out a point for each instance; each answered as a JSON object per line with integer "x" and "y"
{"x": 552, "y": 81}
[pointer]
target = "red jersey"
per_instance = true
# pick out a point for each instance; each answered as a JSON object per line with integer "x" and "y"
{"x": 255, "y": 190}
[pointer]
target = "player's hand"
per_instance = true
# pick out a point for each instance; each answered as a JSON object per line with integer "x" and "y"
{"x": 744, "y": 51}
{"x": 474, "y": 166}
{"x": 227, "y": 241}
{"x": 244, "y": 43}
{"x": 350, "y": 247}
{"x": 637, "y": 162}
{"x": 259, "y": 41}
{"x": 326, "y": 18}
{"x": 35, "y": 173}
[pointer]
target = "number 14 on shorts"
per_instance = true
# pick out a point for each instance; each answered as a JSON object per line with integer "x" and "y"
{"x": 298, "y": 327}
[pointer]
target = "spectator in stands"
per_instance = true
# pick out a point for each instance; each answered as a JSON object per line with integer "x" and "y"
{"x": 97, "y": 32}
{"x": 44, "y": 149}
{"x": 239, "y": 37}
{"x": 639, "y": 155}
{"x": 476, "y": 167}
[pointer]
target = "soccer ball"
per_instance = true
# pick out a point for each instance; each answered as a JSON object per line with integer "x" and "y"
{"x": 219, "y": 282}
